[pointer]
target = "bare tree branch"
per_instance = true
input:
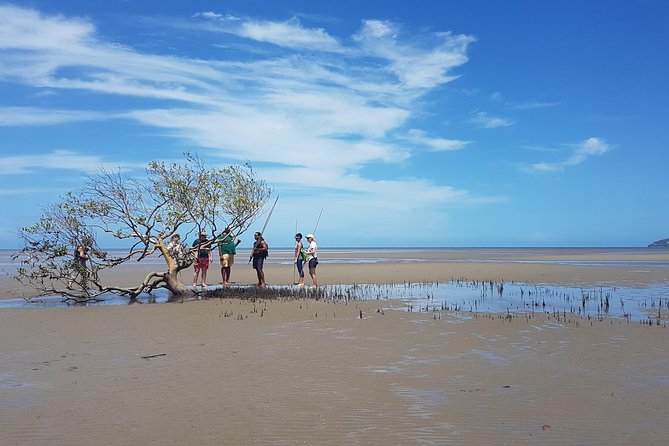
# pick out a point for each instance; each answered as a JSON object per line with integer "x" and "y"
{"x": 190, "y": 196}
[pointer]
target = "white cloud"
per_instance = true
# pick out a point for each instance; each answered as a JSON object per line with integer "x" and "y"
{"x": 483, "y": 119}
{"x": 18, "y": 30}
{"x": 534, "y": 105}
{"x": 288, "y": 34}
{"x": 376, "y": 29}
{"x": 320, "y": 115}
{"x": 416, "y": 66}
{"x": 591, "y": 146}
{"x": 30, "y": 116}
{"x": 417, "y": 136}
{"x": 36, "y": 50}
{"x": 389, "y": 196}
{"x": 359, "y": 211}
{"x": 58, "y": 159}
{"x": 216, "y": 16}
{"x": 580, "y": 153}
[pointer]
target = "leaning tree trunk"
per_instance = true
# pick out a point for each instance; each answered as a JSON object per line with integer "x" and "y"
{"x": 175, "y": 286}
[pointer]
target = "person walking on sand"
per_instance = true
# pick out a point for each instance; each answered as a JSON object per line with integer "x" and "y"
{"x": 312, "y": 252}
{"x": 300, "y": 256}
{"x": 227, "y": 248}
{"x": 202, "y": 260}
{"x": 258, "y": 255}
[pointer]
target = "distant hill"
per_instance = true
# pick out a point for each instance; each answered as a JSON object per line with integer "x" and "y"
{"x": 660, "y": 244}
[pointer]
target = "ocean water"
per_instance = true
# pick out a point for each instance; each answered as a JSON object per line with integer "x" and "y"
{"x": 638, "y": 303}
{"x": 417, "y": 255}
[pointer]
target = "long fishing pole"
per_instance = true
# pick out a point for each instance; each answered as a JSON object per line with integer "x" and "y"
{"x": 269, "y": 215}
{"x": 266, "y": 221}
{"x": 318, "y": 221}
{"x": 297, "y": 253}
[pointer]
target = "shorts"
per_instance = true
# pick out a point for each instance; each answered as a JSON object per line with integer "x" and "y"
{"x": 202, "y": 263}
{"x": 313, "y": 262}
{"x": 258, "y": 263}
{"x": 227, "y": 260}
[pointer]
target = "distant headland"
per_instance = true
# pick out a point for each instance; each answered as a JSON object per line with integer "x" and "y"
{"x": 664, "y": 243}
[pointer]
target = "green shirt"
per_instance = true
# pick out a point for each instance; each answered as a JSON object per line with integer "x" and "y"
{"x": 226, "y": 245}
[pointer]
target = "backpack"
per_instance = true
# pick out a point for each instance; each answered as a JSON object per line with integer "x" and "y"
{"x": 305, "y": 257}
{"x": 262, "y": 254}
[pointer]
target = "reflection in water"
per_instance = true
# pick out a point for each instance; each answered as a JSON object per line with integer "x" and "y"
{"x": 463, "y": 296}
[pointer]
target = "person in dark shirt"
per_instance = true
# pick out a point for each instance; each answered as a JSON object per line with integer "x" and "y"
{"x": 258, "y": 256}
{"x": 202, "y": 260}
{"x": 300, "y": 256}
{"x": 80, "y": 268}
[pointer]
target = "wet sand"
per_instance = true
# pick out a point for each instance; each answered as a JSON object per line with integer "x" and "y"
{"x": 539, "y": 266}
{"x": 307, "y": 372}
{"x": 312, "y": 372}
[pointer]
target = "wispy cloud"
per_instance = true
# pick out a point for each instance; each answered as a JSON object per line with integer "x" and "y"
{"x": 30, "y": 116}
{"x": 416, "y": 66}
{"x": 211, "y": 15}
{"x": 58, "y": 159}
{"x": 64, "y": 53}
{"x": 483, "y": 119}
{"x": 419, "y": 137}
{"x": 18, "y": 30}
{"x": 317, "y": 109}
{"x": 580, "y": 153}
{"x": 535, "y": 105}
{"x": 288, "y": 34}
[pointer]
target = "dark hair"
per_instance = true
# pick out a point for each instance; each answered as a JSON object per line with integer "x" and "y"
{"x": 298, "y": 235}
{"x": 258, "y": 234}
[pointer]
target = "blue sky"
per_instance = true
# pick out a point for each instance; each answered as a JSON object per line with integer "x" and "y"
{"x": 425, "y": 123}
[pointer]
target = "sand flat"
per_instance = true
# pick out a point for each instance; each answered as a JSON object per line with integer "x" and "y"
{"x": 269, "y": 372}
{"x": 307, "y": 372}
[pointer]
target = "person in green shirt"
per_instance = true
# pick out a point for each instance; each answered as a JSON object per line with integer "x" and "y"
{"x": 226, "y": 251}
{"x": 300, "y": 256}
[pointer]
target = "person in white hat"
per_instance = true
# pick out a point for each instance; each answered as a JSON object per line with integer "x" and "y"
{"x": 312, "y": 252}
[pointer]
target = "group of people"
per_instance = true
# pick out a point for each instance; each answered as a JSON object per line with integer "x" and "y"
{"x": 227, "y": 249}
{"x": 309, "y": 256}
